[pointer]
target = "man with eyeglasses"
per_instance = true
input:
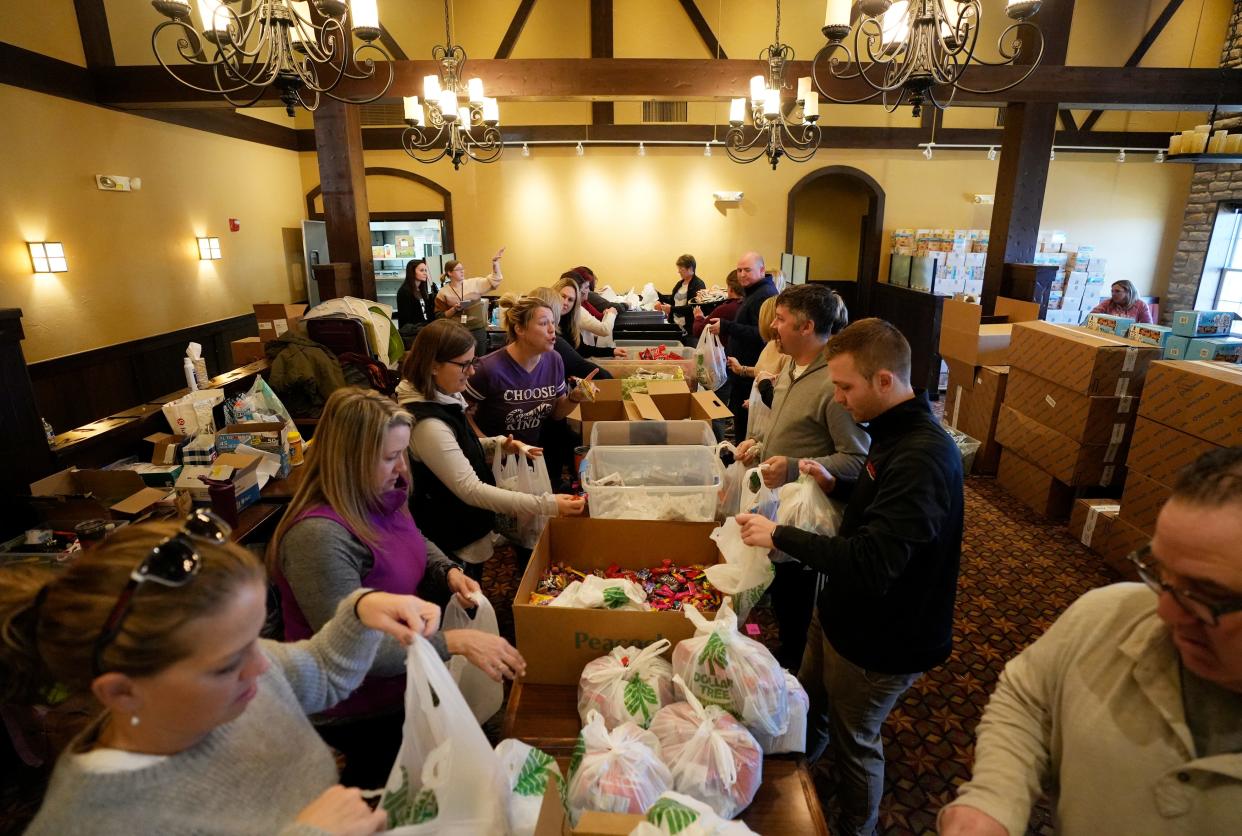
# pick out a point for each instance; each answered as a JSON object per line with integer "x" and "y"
{"x": 1130, "y": 706}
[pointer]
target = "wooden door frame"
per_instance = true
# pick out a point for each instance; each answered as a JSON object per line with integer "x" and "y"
{"x": 385, "y": 171}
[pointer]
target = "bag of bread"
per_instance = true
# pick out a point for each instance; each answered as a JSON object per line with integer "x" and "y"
{"x": 629, "y": 685}
{"x": 616, "y": 771}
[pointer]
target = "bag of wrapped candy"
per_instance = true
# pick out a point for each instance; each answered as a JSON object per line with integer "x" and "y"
{"x": 615, "y": 772}
{"x": 676, "y": 814}
{"x": 529, "y": 770}
{"x": 794, "y": 738}
{"x": 595, "y": 593}
{"x": 746, "y": 572}
{"x": 711, "y": 756}
{"x": 629, "y": 685}
{"x": 803, "y": 505}
{"x": 758, "y": 498}
{"x": 737, "y": 673}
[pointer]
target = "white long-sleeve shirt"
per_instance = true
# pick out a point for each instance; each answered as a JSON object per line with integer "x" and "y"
{"x": 593, "y": 329}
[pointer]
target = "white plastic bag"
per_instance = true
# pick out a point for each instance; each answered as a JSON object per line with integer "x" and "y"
{"x": 447, "y": 779}
{"x": 746, "y": 573}
{"x": 729, "y": 497}
{"x": 675, "y": 814}
{"x": 737, "y": 673}
{"x": 758, "y": 413}
{"x": 484, "y": 694}
{"x": 629, "y": 685}
{"x": 803, "y": 505}
{"x": 711, "y": 756}
{"x": 529, "y": 770}
{"x": 191, "y": 414}
{"x": 650, "y": 297}
{"x": 615, "y": 772}
{"x": 794, "y": 738}
{"x": 596, "y": 593}
{"x": 711, "y": 368}
{"x": 525, "y": 475}
{"x": 758, "y": 498}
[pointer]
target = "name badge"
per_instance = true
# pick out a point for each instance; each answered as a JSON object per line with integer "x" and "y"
{"x": 464, "y": 318}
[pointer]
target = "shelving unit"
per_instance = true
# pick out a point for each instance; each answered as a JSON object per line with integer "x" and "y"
{"x": 406, "y": 241}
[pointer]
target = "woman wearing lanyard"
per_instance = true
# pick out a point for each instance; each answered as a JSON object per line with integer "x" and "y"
{"x": 462, "y": 299}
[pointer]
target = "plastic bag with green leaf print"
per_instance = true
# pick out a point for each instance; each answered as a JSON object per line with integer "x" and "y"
{"x": 596, "y": 593}
{"x": 629, "y": 685}
{"x": 529, "y": 770}
{"x": 676, "y": 814}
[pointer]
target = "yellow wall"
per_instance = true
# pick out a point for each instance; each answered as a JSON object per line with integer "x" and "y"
{"x": 49, "y": 27}
{"x": 827, "y": 226}
{"x": 133, "y": 265}
{"x": 629, "y": 217}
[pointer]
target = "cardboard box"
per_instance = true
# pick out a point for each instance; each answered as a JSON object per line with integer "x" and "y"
{"x": 1081, "y": 360}
{"x": 1146, "y": 332}
{"x": 665, "y": 400}
{"x": 247, "y": 350}
{"x": 156, "y": 475}
{"x": 972, "y": 405}
{"x": 964, "y": 338}
{"x": 190, "y": 484}
{"x": 76, "y": 495}
{"x": 1142, "y": 500}
{"x": 1161, "y": 452}
{"x": 243, "y": 472}
{"x": 1057, "y": 454}
{"x": 1202, "y": 323}
{"x": 552, "y": 821}
{"x": 1202, "y": 399}
{"x": 1033, "y": 487}
{"x": 1123, "y": 540}
{"x": 276, "y": 319}
{"x": 1087, "y": 419}
{"x": 1175, "y": 347}
{"x": 1091, "y": 520}
{"x": 1222, "y": 349}
{"x": 558, "y": 642}
{"x": 1108, "y": 324}
{"x": 167, "y": 447}
{"x": 270, "y": 437}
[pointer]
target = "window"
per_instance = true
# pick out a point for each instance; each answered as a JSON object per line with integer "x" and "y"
{"x": 1220, "y": 286}
{"x": 1229, "y": 289}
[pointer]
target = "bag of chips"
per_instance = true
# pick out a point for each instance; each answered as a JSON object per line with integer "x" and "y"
{"x": 596, "y": 593}
{"x": 794, "y": 738}
{"x": 629, "y": 685}
{"x": 737, "y": 673}
{"x": 615, "y": 772}
{"x": 529, "y": 770}
{"x": 710, "y": 755}
{"x": 680, "y": 815}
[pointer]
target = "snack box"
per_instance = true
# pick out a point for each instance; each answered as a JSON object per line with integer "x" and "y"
{"x": 1202, "y": 323}
{"x": 1146, "y": 332}
{"x": 1222, "y": 350}
{"x": 1175, "y": 347}
{"x": 1108, "y": 324}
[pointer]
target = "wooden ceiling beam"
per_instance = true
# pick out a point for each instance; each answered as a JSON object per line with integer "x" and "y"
{"x": 93, "y": 27}
{"x": 515, "y": 29}
{"x": 704, "y": 29}
{"x": 1145, "y": 44}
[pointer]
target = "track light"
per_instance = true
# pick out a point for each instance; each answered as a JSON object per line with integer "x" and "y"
{"x": 580, "y": 150}
{"x": 707, "y": 149}
{"x": 525, "y": 150}
{"x": 1159, "y": 157}
{"x": 1121, "y": 156}
{"x": 642, "y": 150}
{"x": 927, "y": 152}
{"x": 991, "y": 153}
{"x": 1052, "y": 155}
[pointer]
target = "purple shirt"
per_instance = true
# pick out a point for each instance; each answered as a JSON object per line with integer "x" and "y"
{"x": 513, "y": 401}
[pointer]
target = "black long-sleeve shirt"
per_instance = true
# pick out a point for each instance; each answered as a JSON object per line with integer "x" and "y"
{"x": 745, "y": 343}
{"x": 891, "y": 571}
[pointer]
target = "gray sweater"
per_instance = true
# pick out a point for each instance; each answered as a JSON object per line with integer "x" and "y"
{"x": 324, "y": 563}
{"x": 251, "y": 776}
{"x": 807, "y": 423}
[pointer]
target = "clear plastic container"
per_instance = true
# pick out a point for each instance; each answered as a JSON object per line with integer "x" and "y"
{"x": 672, "y": 482}
{"x": 629, "y": 367}
{"x": 651, "y": 433}
{"x": 671, "y": 345}
{"x": 966, "y": 445}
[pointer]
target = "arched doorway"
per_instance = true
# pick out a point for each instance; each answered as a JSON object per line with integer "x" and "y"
{"x": 444, "y": 212}
{"x": 835, "y": 217}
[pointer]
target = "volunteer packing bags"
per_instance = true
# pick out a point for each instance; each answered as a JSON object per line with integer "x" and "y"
{"x": 737, "y": 673}
{"x": 711, "y": 756}
{"x": 629, "y": 685}
{"x": 804, "y": 505}
{"x": 616, "y": 771}
{"x": 525, "y": 475}
{"x": 529, "y": 770}
{"x": 446, "y": 780}
{"x": 483, "y": 694}
{"x": 746, "y": 572}
{"x": 710, "y": 365}
{"x": 680, "y": 815}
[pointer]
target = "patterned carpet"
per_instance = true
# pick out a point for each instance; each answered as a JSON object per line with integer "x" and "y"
{"x": 1018, "y": 573}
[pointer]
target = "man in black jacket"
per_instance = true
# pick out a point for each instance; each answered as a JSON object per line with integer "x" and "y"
{"x": 889, "y": 576}
{"x": 745, "y": 343}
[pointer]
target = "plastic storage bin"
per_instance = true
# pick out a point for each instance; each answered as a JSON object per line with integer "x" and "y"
{"x": 629, "y": 366}
{"x": 672, "y": 482}
{"x": 967, "y": 446}
{"x": 651, "y": 433}
{"x": 671, "y": 345}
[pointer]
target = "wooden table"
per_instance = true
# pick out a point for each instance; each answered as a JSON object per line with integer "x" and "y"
{"x": 256, "y": 520}
{"x": 546, "y": 716}
{"x": 282, "y": 490}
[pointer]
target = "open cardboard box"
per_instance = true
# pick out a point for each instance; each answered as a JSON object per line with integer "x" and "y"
{"x": 665, "y": 400}
{"x": 275, "y": 319}
{"x": 965, "y": 338}
{"x": 552, "y": 820}
{"x": 557, "y": 642}
{"x": 77, "y": 495}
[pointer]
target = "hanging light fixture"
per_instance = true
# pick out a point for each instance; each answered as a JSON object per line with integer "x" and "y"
{"x": 794, "y": 135}
{"x": 917, "y": 51}
{"x": 455, "y": 119}
{"x": 251, "y": 46}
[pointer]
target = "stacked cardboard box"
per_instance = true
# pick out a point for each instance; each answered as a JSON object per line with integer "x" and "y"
{"x": 1187, "y": 410}
{"x": 1080, "y": 282}
{"x": 948, "y": 261}
{"x": 1069, "y": 410}
{"x": 1203, "y": 335}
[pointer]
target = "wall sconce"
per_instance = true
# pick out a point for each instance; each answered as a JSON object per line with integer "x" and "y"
{"x": 208, "y": 249}
{"x": 48, "y": 256}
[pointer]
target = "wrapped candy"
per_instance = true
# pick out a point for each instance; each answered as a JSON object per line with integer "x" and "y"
{"x": 680, "y": 815}
{"x": 737, "y": 673}
{"x": 615, "y": 772}
{"x": 667, "y": 586}
{"x": 529, "y": 770}
{"x": 710, "y": 755}
{"x": 794, "y": 738}
{"x": 603, "y": 594}
{"x": 629, "y": 685}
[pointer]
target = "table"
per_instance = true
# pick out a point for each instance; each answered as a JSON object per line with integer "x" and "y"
{"x": 257, "y": 519}
{"x": 282, "y": 490}
{"x": 546, "y": 716}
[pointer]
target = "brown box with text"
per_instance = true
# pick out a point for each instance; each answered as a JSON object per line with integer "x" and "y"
{"x": 1087, "y": 419}
{"x": 1058, "y": 454}
{"x": 1161, "y": 452}
{"x": 972, "y": 404}
{"x": 1081, "y": 360}
{"x": 1091, "y": 521}
{"x": 1122, "y": 541}
{"x": 1142, "y": 500}
{"x": 1033, "y": 487}
{"x": 1197, "y": 397}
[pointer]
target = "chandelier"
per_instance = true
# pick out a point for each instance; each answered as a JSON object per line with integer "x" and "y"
{"x": 250, "y": 45}
{"x": 917, "y": 51}
{"x": 776, "y": 134}
{"x": 444, "y": 127}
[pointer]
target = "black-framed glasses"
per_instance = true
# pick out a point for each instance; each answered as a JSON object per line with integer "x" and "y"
{"x": 468, "y": 366}
{"x": 173, "y": 563}
{"x": 1207, "y": 610}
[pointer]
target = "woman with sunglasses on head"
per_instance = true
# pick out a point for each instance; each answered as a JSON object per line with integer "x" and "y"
{"x": 349, "y": 526}
{"x": 204, "y": 726}
{"x": 455, "y": 498}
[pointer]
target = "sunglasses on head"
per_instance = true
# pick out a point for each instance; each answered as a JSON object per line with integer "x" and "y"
{"x": 173, "y": 563}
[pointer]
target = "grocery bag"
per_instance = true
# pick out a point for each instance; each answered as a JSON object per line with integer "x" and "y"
{"x": 524, "y": 474}
{"x": 804, "y": 505}
{"x": 729, "y": 497}
{"x": 746, "y": 572}
{"x": 758, "y": 413}
{"x": 529, "y": 770}
{"x": 483, "y": 693}
{"x": 794, "y": 738}
{"x": 710, "y": 366}
{"x": 596, "y": 593}
{"x": 629, "y": 685}
{"x": 758, "y": 498}
{"x": 711, "y": 756}
{"x": 649, "y": 297}
{"x": 446, "y": 780}
{"x": 616, "y": 771}
{"x": 191, "y": 414}
{"x": 737, "y": 673}
{"x": 675, "y": 814}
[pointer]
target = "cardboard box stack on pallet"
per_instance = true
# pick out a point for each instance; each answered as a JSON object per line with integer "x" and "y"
{"x": 1187, "y": 409}
{"x": 1068, "y": 413}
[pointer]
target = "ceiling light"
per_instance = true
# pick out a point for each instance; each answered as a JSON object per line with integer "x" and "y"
{"x": 991, "y": 153}
{"x": 707, "y": 149}
{"x": 580, "y": 150}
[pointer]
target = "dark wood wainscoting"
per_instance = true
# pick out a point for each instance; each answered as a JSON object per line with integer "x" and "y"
{"x": 79, "y": 388}
{"x": 917, "y": 316}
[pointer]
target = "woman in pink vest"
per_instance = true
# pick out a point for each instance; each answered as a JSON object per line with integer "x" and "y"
{"x": 349, "y": 526}
{"x": 1124, "y": 301}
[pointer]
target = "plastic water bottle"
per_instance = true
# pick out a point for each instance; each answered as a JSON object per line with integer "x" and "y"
{"x": 47, "y": 430}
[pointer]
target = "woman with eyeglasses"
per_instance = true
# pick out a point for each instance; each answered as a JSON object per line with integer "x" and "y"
{"x": 204, "y": 725}
{"x": 349, "y": 526}
{"x": 455, "y": 498}
{"x": 462, "y": 299}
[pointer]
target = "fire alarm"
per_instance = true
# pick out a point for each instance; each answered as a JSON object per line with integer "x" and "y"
{"x": 234, "y": 225}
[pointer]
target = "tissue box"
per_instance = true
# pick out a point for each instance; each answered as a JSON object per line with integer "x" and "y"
{"x": 1108, "y": 324}
{"x": 167, "y": 447}
{"x": 1175, "y": 347}
{"x": 201, "y": 450}
{"x": 1225, "y": 349}
{"x": 1202, "y": 323}
{"x": 157, "y": 475}
{"x": 1145, "y": 332}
